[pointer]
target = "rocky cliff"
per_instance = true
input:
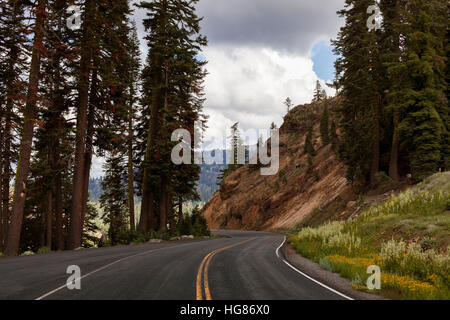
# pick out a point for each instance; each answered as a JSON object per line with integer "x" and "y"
{"x": 300, "y": 193}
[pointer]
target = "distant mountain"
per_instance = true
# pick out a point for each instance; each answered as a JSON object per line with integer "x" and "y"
{"x": 95, "y": 189}
{"x": 207, "y": 185}
{"x": 299, "y": 193}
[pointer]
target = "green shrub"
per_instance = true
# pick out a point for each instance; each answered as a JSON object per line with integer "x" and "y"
{"x": 135, "y": 237}
{"x": 199, "y": 224}
{"x": 332, "y": 236}
{"x": 165, "y": 235}
{"x": 141, "y": 237}
{"x": 44, "y": 250}
{"x": 410, "y": 259}
{"x": 411, "y": 269}
{"x": 427, "y": 243}
{"x": 357, "y": 280}
{"x": 185, "y": 226}
{"x": 325, "y": 263}
{"x": 127, "y": 237}
{"x": 194, "y": 224}
{"x": 410, "y": 202}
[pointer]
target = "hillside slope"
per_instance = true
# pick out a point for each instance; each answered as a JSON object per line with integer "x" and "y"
{"x": 298, "y": 193}
{"x": 407, "y": 237}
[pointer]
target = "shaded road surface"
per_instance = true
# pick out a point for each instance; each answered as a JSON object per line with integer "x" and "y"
{"x": 242, "y": 267}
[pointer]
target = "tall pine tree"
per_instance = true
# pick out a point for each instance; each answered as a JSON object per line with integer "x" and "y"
{"x": 14, "y": 68}
{"x": 173, "y": 73}
{"x": 358, "y": 72}
{"x": 424, "y": 127}
{"x": 23, "y": 167}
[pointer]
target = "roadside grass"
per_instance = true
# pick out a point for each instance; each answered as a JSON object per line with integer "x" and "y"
{"x": 44, "y": 250}
{"x": 27, "y": 253}
{"x": 408, "y": 237}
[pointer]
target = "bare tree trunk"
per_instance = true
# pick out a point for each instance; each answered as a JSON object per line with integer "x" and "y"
{"x": 375, "y": 163}
{"x": 148, "y": 209}
{"x": 50, "y": 157}
{"x": 11, "y": 92}
{"x": 57, "y": 167}
{"x": 180, "y": 208}
{"x": 89, "y": 142}
{"x": 23, "y": 167}
{"x": 375, "y": 167}
{"x": 86, "y": 176}
{"x": 76, "y": 214}
{"x": 59, "y": 237}
{"x": 53, "y": 159}
{"x": 43, "y": 230}
{"x": 164, "y": 198}
{"x": 130, "y": 163}
{"x": 1, "y": 185}
{"x": 57, "y": 121}
{"x": 147, "y": 221}
{"x": 151, "y": 219}
{"x": 393, "y": 164}
{"x": 148, "y": 195}
{"x": 143, "y": 224}
{"x": 6, "y": 175}
{"x": 171, "y": 213}
{"x": 48, "y": 242}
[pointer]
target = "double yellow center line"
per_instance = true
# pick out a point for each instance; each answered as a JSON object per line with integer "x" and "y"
{"x": 204, "y": 267}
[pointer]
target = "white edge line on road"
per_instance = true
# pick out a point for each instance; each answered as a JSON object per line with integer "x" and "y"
{"x": 109, "y": 265}
{"x": 306, "y": 276}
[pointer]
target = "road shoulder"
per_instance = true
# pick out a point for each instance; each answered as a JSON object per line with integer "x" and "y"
{"x": 331, "y": 279}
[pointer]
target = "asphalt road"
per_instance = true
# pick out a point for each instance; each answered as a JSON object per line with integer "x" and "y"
{"x": 244, "y": 266}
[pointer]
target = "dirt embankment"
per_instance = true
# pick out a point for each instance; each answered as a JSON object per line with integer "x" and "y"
{"x": 298, "y": 194}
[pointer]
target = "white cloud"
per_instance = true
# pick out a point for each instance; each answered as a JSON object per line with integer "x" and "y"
{"x": 259, "y": 54}
{"x": 284, "y": 25}
{"x": 248, "y": 85}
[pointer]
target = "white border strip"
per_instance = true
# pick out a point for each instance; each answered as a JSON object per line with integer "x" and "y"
{"x": 308, "y": 277}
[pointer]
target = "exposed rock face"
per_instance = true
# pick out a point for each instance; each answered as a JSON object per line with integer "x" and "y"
{"x": 250, "y": 201}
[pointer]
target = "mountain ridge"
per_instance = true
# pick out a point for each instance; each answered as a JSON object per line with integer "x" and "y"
{"x": 299, "y": 192}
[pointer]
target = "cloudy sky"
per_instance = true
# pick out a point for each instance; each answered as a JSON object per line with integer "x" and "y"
{"x": 260, "y": 52}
